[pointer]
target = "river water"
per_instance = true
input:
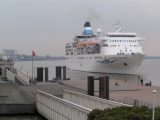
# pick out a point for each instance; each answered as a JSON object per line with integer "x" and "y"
{"x": 149, "y": 70}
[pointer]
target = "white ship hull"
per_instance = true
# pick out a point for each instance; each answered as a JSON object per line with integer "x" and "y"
{"x": 113, "y": 53}
{"x": 114, "y": 64}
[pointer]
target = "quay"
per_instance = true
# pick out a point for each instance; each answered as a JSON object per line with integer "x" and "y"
{"x": 124, "y": 90}
{"x": 53, "y": 99}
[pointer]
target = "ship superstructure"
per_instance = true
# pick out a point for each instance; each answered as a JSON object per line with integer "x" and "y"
{"x": 113, "y": 53}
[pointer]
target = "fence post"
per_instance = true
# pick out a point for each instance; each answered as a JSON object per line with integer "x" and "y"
{"x": 64, "y": 72}
{"x": 91, "y": 85}
{"x": 104, "y": 87}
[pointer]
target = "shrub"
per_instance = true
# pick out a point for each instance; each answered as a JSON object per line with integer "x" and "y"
{"x": 124, "y": 113}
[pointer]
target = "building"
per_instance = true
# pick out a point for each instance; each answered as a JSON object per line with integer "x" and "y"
{"x": 9, "y": 52}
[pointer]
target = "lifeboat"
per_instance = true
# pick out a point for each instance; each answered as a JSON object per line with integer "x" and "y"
{"x": 81, "y": 45}
{"x": 89, "y": 43}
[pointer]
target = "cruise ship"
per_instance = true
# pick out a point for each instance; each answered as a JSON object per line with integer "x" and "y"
{"x": 112, "y": 53}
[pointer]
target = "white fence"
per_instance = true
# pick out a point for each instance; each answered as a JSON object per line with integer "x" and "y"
{"x": 23, "y": 76}
{"x": 54, "y": 108}
{"x": 90, "y": 101}
{"x": 9, "y": 75}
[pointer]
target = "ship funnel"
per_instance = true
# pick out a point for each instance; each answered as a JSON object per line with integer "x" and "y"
{"x": 87, "y": 29}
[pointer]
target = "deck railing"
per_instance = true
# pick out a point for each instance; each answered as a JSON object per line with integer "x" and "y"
{"x": 9, "y": 75}
{"x": 23, "y": 76}
{"x": 90, "y": 102}
{"x": 135, "y": 102}
{"x": 54, "y": 108}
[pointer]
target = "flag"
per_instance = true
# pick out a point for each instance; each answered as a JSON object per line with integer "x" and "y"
{"x": 33, "y": 53}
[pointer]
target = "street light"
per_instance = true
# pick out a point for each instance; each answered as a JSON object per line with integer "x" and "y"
{"x": 154, "y": 91}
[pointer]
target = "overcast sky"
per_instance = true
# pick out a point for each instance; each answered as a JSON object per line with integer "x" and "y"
{"x": 45, "y": 26}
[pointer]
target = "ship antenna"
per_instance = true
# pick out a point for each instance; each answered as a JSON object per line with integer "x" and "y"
{"x": 118, "y": 29}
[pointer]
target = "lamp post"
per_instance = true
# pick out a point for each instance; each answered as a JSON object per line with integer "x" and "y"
{"x": 154, "y": 91}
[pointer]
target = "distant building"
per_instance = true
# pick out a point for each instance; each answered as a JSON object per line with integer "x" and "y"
{"x": 9, "y": 52}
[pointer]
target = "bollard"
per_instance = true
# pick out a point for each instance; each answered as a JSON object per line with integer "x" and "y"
{"x": 46, "y": 73}
{"x": 40, "y": 74}
{"x": 64, "y": 72}
{"x": 91, "y": 85}
{"x": 104, "y": 87}
{"x": 58, "y": 72}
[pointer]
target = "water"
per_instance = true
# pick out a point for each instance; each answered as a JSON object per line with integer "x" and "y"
{"x": 149, "y": 70}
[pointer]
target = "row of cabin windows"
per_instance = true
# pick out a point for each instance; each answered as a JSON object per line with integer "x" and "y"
{"x": 122, "y": 36}
{"x": 97, "y": 57}
{"x": 68, "y": 46}
{"x": 119, "y": 46}
{"x": 68, "y": 53}
{"x": 123, "y": 41}
{"x": 86, "y": 36}
{"x": 69, "y": 50}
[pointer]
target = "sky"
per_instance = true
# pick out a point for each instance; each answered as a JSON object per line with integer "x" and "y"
{"x": 45, "y": 26}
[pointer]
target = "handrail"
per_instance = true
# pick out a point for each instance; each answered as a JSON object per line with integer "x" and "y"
{"x": 90, "y": 102}
{"x": 10, "y": 75}
{"x": 60, "y": 108}
{"x": 23, "y": 76}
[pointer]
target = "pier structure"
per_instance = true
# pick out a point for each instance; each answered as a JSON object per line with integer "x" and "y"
{"x": 72, "y": 95}
{"x": 6, "y": 64}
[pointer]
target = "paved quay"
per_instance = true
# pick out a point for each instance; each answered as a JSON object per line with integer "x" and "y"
{"x": 9, "y": 94}
{"x": 55, "y": 89}
{"x": 9, "y": 90}
{"x": 144, "y": 94}
{"x": 125, "y": 89}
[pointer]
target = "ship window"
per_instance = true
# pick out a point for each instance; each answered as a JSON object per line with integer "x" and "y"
{"x": 105, "y": 45}
{"x": 112, "y": 45}
{"x": 98, "y": 57}
{"x": 130, "y": 45}
{"x": 129, "y": 40}
{"x": 81, "y": 57}
{"x": 118, "y": 45}
{"x": 117, "y": 40}
{"x": 86, "y": 57}
{"x": 120, "y": 40}
{"x": 90, "y": 57}
{"x": 67, "y": 58}
{"x": 112, "y": 40}
{"x": 67, "y": 53}
{"x": 71, "y": 53}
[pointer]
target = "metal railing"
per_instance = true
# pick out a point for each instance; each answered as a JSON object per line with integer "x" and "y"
{"x": 23, "y": 76}
{"x": 9, "y": 75}
{"x": 54, "y": 108}
{"x": 77, "y": 77}
{"x": 135, "y": 102}
{"x": 90, "y": 102}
